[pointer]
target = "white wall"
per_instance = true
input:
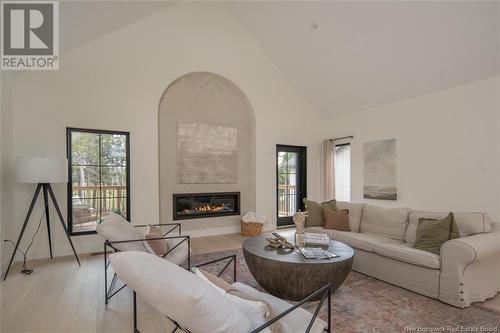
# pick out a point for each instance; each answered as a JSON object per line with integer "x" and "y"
{"x": 2, "y": 82}
{"x": 447, "y": 145}
{"x": 5, "y": 159}
{"x": 116, "y": 83}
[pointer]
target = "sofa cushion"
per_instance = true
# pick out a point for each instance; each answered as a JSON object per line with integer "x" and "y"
{"x": 116, "y": 228}
{"x": 295, "y": 321}
{"x": 355, "y": 212}
{"x": 390, "y": 222}
{"x": 363, "y": 241}
{"x": 179, "y": 294}
{"x": 405, "y": 253}
{"x": 468, "y": 223}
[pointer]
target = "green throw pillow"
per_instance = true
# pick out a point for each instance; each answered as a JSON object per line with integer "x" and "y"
{"x": 332, "y": 204}
{"x": 454, "y": 233}
{"x": 314, "y": 210}
{"x": 431, "y": 233}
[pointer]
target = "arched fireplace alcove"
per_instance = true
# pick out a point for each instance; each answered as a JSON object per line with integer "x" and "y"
{"x": 210, "y": 101}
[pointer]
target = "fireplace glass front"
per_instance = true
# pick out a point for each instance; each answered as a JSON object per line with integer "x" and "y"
{"x": 199, "y": 205}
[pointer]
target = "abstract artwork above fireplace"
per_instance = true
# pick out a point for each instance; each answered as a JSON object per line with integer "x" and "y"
{"x": 206, "y": 154}
{"x": 199, "y": 205}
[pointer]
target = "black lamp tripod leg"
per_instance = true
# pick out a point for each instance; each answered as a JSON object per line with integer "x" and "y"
{"x": 54, "y": 201}
{"x": 30, "y": 210}
{"x": 47, "y": 218}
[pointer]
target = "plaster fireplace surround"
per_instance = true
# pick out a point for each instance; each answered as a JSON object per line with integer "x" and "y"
{"x": 205, "y": 208}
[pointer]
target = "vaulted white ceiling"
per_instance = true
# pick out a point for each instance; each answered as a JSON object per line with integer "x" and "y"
{"x": 341, "y": 56}
{"x": 351, "y": 56}
{"x": 84, "y": 21}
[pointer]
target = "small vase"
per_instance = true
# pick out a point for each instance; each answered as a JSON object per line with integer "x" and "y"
{"x": 300, "y": 239}
{"x": 299, "y": 219}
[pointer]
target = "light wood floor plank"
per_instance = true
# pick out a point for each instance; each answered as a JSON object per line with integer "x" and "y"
{"x": 61, "y": 297}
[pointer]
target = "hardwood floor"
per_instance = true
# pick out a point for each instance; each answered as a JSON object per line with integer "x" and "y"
{"x": 62, "y": 297}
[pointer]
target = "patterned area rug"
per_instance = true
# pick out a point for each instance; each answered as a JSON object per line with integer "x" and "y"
{"x": 365, "y": 304}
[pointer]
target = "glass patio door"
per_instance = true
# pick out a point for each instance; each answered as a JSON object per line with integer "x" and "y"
{"x": 291, "y": 176}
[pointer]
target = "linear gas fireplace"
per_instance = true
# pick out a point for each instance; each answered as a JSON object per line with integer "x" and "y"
{"x": 199, "y": 205}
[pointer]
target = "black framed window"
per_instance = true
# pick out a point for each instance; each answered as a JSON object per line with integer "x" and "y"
{"x": 99, "y": 177}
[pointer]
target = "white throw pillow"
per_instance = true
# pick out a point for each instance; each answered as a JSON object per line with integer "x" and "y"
{"x": 116, "y": 228}
{"x": 179, "y": 294}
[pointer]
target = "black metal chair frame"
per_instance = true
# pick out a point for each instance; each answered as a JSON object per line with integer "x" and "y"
{"x": 324, "y": 292}
{"x": 110, "y": 292}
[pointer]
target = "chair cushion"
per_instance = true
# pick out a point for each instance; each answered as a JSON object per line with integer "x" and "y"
{"x": 468, "y": 223}
{"x": 257, "y": 311}
{"x": 179, "y": 255}
{"x": 179, "y": 294}
{"x": 390, "y": 222}
{"x": 405, "y": 253}
{"x": 116, "y": 228}
{"x": 295, "y": 321}
{"x": 355, "y": 212}
{"x": 218, "y": 283}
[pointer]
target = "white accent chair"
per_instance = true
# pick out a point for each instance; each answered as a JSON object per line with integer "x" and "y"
{"x": 194, "y": 305}
{"x": 121, "y": 236}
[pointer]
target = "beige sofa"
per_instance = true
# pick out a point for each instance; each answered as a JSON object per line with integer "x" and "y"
{"x": 466, "y": 271}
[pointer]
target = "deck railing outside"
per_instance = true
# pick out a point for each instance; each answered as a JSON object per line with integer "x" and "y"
{"x": 287, "y": 200}
{"x": 93, "y": 202}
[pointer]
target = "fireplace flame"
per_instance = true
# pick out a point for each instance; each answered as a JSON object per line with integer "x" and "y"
{"x": 209, "y": 208}
{"x": 206, "y": 209}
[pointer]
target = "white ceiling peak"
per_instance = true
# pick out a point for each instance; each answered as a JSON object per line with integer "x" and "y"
{"x": 350, "y": 56}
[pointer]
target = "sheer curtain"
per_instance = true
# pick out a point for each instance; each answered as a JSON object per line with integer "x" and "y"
{"x": 329, "y": 169}
{"x": 342, "y": 163}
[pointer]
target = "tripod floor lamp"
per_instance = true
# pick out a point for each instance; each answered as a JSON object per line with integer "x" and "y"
{"x": 42, "y": 171}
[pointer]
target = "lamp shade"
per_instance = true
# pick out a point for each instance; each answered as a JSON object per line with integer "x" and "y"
{"x": 42, "y": 170}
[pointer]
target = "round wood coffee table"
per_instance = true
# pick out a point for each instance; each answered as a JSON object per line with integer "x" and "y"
{"x": 287, "y": 274}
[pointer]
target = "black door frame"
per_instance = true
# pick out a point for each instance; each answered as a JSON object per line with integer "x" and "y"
{"x": 301, "y": 181}
{"x": 69, "y": 190}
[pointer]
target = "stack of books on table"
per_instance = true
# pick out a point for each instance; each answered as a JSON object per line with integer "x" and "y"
{"x": 316, "y": 253}
{"x": 317, "y": 239}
